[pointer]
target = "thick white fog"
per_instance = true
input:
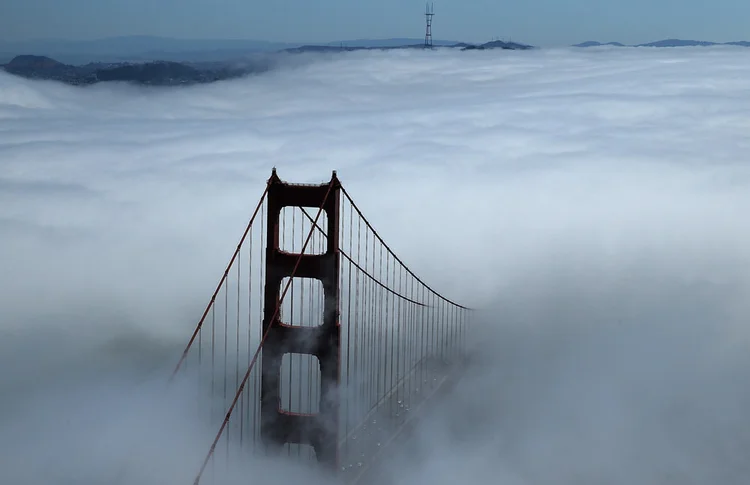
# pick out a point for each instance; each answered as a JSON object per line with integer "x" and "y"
{"x": 593, "y": 202}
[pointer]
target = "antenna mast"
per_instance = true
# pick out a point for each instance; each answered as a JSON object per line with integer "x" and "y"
{"x": 428, "y": 13}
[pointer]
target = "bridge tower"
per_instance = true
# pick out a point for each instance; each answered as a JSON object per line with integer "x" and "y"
{"x": 322, "y": 340}
{"x": 428, "y": 13}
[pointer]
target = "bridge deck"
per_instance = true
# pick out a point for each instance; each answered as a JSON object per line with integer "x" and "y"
{"x": 391, "y": 425}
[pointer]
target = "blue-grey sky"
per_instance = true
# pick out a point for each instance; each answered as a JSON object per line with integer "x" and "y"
{"x": 540, "y": 22}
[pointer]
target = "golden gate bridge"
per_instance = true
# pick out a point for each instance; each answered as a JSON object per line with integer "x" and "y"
{"x": 318, "y": 343}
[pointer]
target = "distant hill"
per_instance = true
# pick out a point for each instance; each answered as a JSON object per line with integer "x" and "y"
{"x": 497, "y": 44}
{"x": 412, "y": 44}
{"x": 678, "y": 43}
{"x": 345, "y": 48}
{"x": 151, "y": 73}
{"x": 158, "y": 73}
{"x": 592, "y": 43}
{"x": 139, "y": 48}
{"x": 151, "y": 48}
{"x": 164, "y": 72}
{"x": 41, "y": 67}
{"x": 394, "y": 42}
{"x": 666, "y": 43}
{"x": 322, "y": 48}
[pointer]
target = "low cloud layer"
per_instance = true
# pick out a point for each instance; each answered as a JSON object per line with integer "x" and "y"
{"x": 591, "y": 201}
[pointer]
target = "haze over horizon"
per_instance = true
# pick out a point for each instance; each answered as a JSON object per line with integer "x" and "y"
{"x": 545, "y": 23}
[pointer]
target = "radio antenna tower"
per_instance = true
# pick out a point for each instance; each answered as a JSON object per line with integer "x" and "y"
{"x": 428, "y": 13}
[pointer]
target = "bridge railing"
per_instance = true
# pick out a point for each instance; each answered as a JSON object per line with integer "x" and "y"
{"x": 397, "y": 336}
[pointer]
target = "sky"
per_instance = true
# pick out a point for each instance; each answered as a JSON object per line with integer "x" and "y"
{"x": 590, "y": 202}
{"x": 538, "y": 22}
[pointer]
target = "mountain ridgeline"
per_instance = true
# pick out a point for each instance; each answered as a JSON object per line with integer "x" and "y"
{"x": 158, "y": 73}
{"x": 665, "y": 43}
{"x": 171, "y": 72}
{"x": 168, "y": 62}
